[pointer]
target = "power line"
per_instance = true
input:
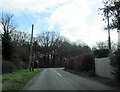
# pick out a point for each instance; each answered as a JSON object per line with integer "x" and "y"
{"x": 19, "y": 7}
{"x": 23, "y": 12}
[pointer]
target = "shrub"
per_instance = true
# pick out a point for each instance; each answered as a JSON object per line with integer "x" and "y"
{"x": 19, "y": 64}
{"x": 7, "y": 67}
{"x": 101, "y": 53}
{"x": 84, "y": 62}
{"x": 70, "y": 64}
{"x": 88, "y": 62}
{"x": 115, "y": 62}
{"x": 77, "y": 64}
{"x": 66, "y": 63}
{"x": 24, "y": 65}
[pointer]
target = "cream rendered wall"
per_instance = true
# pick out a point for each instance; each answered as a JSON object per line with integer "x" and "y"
{"x": 103, "y": 67}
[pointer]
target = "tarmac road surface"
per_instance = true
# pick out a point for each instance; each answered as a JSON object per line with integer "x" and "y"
{"x": 58, "y": 79}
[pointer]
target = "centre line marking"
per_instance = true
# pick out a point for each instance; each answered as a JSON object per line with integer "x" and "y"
{"x": 58, "y": 73}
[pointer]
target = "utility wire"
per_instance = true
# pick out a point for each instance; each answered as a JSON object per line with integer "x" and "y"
{"x": 19, "y": 7}
{"x": 28, "y": 20}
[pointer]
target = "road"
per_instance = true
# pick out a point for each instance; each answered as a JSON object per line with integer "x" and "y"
{"x": 58, "y": 79}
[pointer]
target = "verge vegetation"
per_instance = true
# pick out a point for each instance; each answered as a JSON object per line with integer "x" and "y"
{"x": 17, "y": 80}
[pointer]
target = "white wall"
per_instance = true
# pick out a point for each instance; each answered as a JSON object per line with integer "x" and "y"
{"x": 119, "y": 37}
{"x": 0, "y": 64}
{"x": 103, "y": 67}
{"x": 0, "y": 41}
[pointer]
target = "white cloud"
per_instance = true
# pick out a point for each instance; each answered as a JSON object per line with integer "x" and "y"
{"x": 74, "y": 17}
{"x": 29, "y": 5}
{"x": 69, "y": 16}
{"x": 78, "y": 19}
{"x": 1, "y": 30}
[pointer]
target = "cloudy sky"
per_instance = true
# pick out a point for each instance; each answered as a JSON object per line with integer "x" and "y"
{"x": 74, "y": 19}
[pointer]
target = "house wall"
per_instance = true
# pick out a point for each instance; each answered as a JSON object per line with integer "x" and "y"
{"x": 119, "y": 37}
{"x": 103, "y": 67}
{"x": 0, "y": 64}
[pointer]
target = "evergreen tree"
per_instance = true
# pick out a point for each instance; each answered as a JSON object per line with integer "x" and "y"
{"x": 8, "y": 26}
{"x": 6, "y": 46}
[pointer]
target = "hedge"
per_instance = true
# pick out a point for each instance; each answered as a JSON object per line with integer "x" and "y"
{"x": 83, "y": 62}
{"x": 101, "y": 53}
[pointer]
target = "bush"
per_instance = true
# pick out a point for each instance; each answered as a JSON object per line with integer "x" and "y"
{"x": 19, "y": 64}
{"x": 115, "y": 62}
{"x": 7, "y": 67}
{"x": 101, "y": 53}
{"x": 84, "y": 62}
{"x": 70, "y": 64}
{"x": 67, "y": 62}
{"x": 88, "y": 63}
{"x": 24, "y": 65}
{"x": 77, "y": 63}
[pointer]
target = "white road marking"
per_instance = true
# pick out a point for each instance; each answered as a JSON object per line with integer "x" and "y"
{"x": 58, "y": 73}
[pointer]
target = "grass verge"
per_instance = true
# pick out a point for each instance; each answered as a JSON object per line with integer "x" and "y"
{"x": 106, "y": 81}
{"x": 17, "y": 80}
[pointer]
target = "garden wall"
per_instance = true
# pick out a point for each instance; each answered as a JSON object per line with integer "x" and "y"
{"x": 103, "y": 67}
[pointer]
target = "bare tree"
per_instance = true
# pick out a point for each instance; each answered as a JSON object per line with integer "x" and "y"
{"x": 101, "y": 45}
{"x": 49, "y": 41}
{"x": 8, "y": 24}
{"x": 20, "y": 37}
{"x": 55, "y": 48}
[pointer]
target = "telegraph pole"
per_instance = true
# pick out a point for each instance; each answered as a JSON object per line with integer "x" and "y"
{"x": 108, "y": 26}
{"x": 30, "y": 58}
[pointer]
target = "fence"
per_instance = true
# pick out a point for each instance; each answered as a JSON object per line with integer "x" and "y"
{"x": 103, "y": 67}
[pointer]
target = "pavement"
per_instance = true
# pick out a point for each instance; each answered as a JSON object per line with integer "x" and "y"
{"x": 58, "y": 79}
